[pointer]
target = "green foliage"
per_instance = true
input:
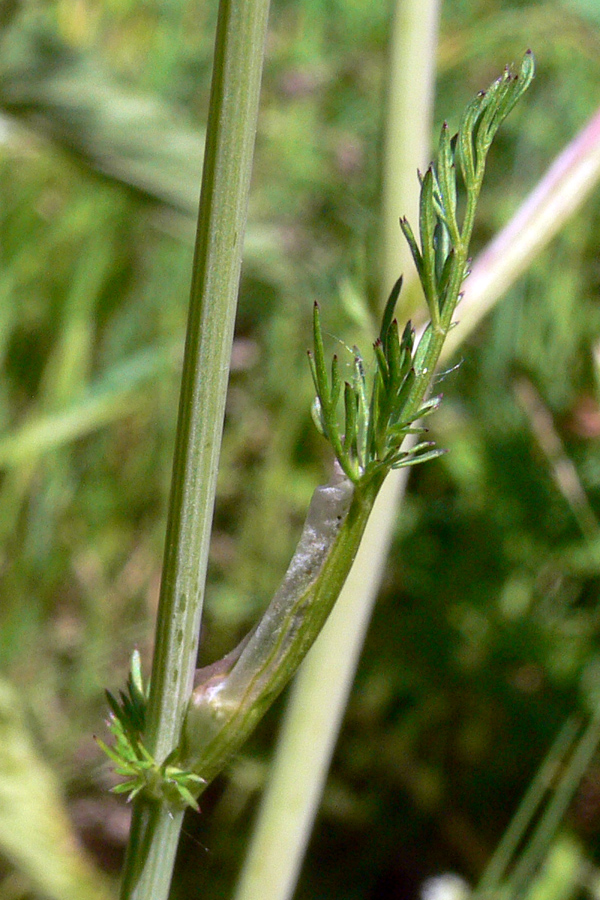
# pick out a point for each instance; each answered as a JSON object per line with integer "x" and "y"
{"x": 487, "y": 623}
{"x": 130, "y": 709}
{"x": 164, "y": 782}
{"x": 377, "y": 421}
{"x": 376, "y": 425}
{"x": 220, "y": 718}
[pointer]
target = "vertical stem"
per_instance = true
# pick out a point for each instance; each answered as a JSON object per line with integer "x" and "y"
{"x": 407, "y": 137}
{"x": 320, "y": 693}
{"x": 233, "y": 111}
{"x": 231, "y": 132}
{"x": 539, "y": 842}
{"x": 496, "y": 869}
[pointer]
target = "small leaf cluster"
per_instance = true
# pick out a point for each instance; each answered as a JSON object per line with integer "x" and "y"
{"x": 368, "y": 438}
{"x": 130, "y": 707}
{"x": 442, "y": 256}
{"x": 376, "y": 425}
{"x": 165, "y": 782}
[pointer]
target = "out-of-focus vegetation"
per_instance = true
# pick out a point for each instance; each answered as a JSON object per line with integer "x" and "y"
{"x": 487, "y": 633}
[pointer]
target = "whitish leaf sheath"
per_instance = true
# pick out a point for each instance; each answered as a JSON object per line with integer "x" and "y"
{"x": 226, "y": 706}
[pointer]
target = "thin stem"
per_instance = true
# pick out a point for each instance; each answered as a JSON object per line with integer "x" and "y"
{"x": 504, "y": 854}
{"x": 151, "y": 852}
{"x": 555, "y": 811}
{"x": 233, "y": 111}
{"x": 239, "y": 50}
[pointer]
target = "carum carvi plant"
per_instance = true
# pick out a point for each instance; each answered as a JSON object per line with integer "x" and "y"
{"x": 367, "y": 421}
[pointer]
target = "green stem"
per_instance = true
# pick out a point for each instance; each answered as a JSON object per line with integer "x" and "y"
{"x": 495, "y": 872}
{"x": 239, "y": 51}
{"x": 321, "y": 690}
{"x": 322, "y": 687}
{"x": 226, "y": 707}
{"x": 433, "y": 339}
{"x": 313, "y": 718}
{"x": 539, "y": 842}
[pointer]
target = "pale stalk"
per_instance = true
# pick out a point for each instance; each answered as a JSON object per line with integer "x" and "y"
{"x": 561, "y": 191}
{"x": 311, "y": 724}
{"x": 407, "y": 139}
{"x": 233, "y": 113}
{"x": 317, "y": 704}
{"x": 320, "y": 693}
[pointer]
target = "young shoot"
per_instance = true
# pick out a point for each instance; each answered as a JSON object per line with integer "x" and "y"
{"x": 367, "y": 436}
{"x": 366, "y": 421}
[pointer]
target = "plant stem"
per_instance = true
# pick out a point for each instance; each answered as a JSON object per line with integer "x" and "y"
{"x": 222, "y": 715}
{"x": 407, "y": 139}
{"x": 316, "y": 706}
{"x": 538, "y": 843}
{"x": 312, "y": 720}
{"x": 496, "y": 870}
{"x": 239, "y": 51}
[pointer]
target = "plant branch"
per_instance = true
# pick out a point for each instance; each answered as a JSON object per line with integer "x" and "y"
{"x": 319, "y": 695}
{"x": 239, "y": 50}
{"x": 232, "y": 695}
{"x": 292, "y": 796}
{"x": 367, "y": 441}
{"x": 320, "y": 691}
{"x": 226, "y": 705}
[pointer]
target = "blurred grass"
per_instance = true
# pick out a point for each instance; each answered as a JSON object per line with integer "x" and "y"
{"x": 488, "y": 624}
